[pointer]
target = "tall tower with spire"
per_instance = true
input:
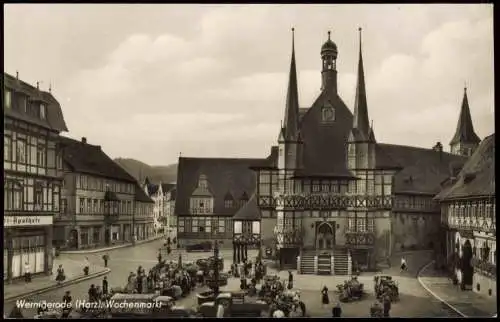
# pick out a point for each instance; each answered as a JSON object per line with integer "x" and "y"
{"x": 465, "y": 140}
{"x": 329, "y": 53}
{"x": 361, "y": 141}
{"x": 290, "y": 141}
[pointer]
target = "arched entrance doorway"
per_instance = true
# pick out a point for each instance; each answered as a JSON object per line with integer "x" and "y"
{"x": 325, "y": 236}
{"x": 73, "y": 239}
{"x": 467, "y": 269}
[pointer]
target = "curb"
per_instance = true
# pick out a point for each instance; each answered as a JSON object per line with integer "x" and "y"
{"x": 99, "y": 250}
{"x": 57, "y": 286}
{"x": 434, "y": 294}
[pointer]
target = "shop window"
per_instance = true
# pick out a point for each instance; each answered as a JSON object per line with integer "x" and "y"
{"x": 96, "y": 236}
{"x": 84, "y": 236}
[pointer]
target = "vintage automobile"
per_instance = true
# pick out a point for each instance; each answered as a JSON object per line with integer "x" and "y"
{"x": 384, "y": 284}
{"x": 206, "y": 264}
{"x": 232, "y": 307}
{"x": 351, "y": 290}
{"x": 200, "y": 247}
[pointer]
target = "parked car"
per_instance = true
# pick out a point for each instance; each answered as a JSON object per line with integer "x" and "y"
{"x": 200, "y": 247}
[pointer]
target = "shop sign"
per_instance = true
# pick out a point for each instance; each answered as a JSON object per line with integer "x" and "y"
{"x": 18, "y": 221}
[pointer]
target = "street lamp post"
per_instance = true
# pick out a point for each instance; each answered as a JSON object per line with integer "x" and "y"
{"x": 216, "y": 268}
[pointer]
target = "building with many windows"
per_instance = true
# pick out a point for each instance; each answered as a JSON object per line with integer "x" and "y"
{"x": 143, "y": 219}
{"x": 97, "y": 204}
{"x": 210, "y": 191}
{"x": 163, "y": 195}
{"x": 469, "y": 221}
{"x": 33, "y": 120}
{"x": 337, "y": 197}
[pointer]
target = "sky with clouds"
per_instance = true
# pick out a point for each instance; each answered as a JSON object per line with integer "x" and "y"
{"x": 151, "y": 81}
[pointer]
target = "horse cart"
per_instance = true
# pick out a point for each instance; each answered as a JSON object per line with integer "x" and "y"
{"x": 351, "y": 290}
{"x": 385, "y": 285}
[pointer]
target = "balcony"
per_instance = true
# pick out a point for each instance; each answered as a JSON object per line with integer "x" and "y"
{"x": 485, "y": 268}
{"x": 289, "y": 237}
{"x": 324, "y": 201}
{"x": 247, "y": 238}
{"x": 360, "y": 239}
{"x": 473, "y": 224}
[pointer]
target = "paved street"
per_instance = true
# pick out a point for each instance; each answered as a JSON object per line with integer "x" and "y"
{"x": 415, "y": 301}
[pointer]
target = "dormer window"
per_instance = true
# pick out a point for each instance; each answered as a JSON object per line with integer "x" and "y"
{"x": 202, "y": 182}
{"x": 228, "y": 203}
{"x": 43, "y": 111}
{"x": 328, "y": 113}
{"x": 8, "y": 99}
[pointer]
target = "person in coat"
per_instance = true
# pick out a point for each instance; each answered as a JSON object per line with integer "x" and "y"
{"x": 325, "y": 300}
{"x": 387, "y": 305}
{"x": 337, "y": 311}
{"x": 290, "y": 280}
{"x": 60, "y": 274}
{"x": 105, "y": 286}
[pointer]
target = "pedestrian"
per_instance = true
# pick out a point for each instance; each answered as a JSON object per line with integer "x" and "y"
{"x": 92, "y": 293}
{"x": 27, "y": 272}
{"x": 139, "y": 282}
{"x": 67, "y": 301}
{"x": 290, "y": 280}
{"x": 337, "y": 311}
{"x": 168, "y": 241}
{"x": 105, "y": 286}
{"x": 387, "y": 305}
{"x": 404, "y": 266}
{"x": 159, "y": 256}
{"x": 105, "y": 257}
{"x": 325, "y": 300}
{"x": 86, "y": 266}
{"x": 60, "y": 277}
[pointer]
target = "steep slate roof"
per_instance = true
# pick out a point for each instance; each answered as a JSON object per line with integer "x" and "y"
{"x": 477, "y": 178}
{"x": 223, "y": 176}
{"x": 54, "y": 117}
{"x": 422, "y": 170}
{"x": 86, "y": 158}
{"x": 141, "y": 196}
{"x": 291, "y": 126}
{"x": 361, "y": 126}
{"x": 249, "y": 211}
{"x": 325, "y": 144}
{"x": 153, "y": 187}
{"x": 465, "y": 129}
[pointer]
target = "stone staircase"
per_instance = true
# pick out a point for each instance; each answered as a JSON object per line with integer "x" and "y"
{"x": 341, "y": 262}
{"x": 307, "y": 263}
{"x": 324, "y": 265}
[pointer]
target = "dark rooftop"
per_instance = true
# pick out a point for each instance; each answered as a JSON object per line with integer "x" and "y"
{"x": 477, "y": 178}
{"x": 140, "y": 195}
{"x": 54, "y": 117}
{"x": 249, "y": 211}
{"x": 90, "y": 159}
{"x": 223, "y": 176}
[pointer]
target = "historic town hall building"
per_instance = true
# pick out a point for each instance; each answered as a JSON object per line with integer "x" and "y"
{"x": 329, "y": 197}
{"x": 336, "y": 197}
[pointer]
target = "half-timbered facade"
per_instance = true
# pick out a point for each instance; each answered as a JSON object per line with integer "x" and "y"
{"x": 209, "y": 193}
{"x": 97, "y": 206}
{"x": 163, "y": 194}
{"x": 33, "y": 120}
{"x": 469, "y": 221}
{"x": 143, "y": 221}
{"x": 337, "y": 192}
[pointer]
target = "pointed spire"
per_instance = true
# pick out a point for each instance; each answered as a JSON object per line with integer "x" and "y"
{"x": 371, "y": 135}
{"x": 17, "y": 74}
{"x": 360, "y": 104}
{"x": 465, "y": 129}
{"x": 292, "y": 98}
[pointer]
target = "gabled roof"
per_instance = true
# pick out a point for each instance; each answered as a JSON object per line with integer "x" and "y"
{"x": 54, "y": 116}
{"x": 325, "y": 149}
{"x": 477, "y": 178}
{"x": 166, "y": 187}
{"x": 91, "y": 159}
{"x": 223, "y": 176}
{"x": 465, "y": 129}
{"x": 249, "y": 211}
{"x": 422, "y": 170}
{"x": 152, "y": 188}
{"x": 141, "y": 196}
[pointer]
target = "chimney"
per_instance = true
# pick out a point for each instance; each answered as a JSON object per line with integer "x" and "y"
{"x": 37, "y": 85}
{"x": 17, "y": 75}
{"x": 84, "y": 140}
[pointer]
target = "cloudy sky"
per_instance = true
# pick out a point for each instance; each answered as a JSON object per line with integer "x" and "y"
{"x": 151, "y": 81}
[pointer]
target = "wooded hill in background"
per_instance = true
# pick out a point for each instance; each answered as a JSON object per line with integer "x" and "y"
{"x": 141, "y": 170}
